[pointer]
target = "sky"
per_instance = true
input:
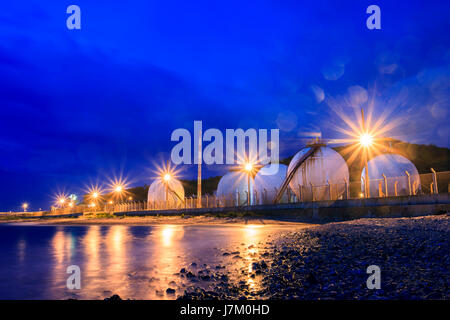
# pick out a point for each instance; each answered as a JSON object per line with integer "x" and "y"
{"x": 81, "y": 106}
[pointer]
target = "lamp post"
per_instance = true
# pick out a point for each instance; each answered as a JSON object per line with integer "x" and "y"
{"x": 166, "y": 178}
{"x": 248, "y": 168}
{"x": 119, "y": 190}
{"x": 25, "y": 207}
{"x": 366, "y": 141}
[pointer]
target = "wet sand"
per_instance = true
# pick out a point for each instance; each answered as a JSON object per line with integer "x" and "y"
{"x": 162, "y": 220}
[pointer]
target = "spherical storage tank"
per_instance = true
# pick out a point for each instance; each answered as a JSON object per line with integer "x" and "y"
{"x": 268, "y": 182}
{"x": 321, "y": 176}
{"x": 394, "y": 167}
{"x": 157, "y": 191}
{"x": 232, "y": 189}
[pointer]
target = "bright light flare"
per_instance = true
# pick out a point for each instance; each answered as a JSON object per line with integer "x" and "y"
{"x": 118, "y": 188}
{"x": 25, "y": 206}
{"x": 166, "y": 173}
{"x": 94, "y": 193}
{"x": 366, "y": 140}
{"x": 61, "y": 199}
{"x": 247, "y": 164}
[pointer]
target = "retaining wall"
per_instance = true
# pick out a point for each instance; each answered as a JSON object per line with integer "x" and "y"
{"x": 403, "y": 206}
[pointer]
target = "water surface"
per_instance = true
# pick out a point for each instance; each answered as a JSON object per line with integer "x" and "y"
{"x": 138, "y": 262}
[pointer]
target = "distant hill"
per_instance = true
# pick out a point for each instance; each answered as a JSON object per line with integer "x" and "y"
{"x": 423, "y": 156}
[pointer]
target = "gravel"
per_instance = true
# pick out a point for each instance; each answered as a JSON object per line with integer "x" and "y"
{"x": 330, "y": 262}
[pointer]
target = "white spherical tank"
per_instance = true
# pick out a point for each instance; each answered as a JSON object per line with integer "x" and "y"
{"x": 233, "y": 187}
{"x": 161, "y": 191}
{"x": 396, "y": 169}
{"x": 268, "y": 183}
{"x": 322, "y": 176}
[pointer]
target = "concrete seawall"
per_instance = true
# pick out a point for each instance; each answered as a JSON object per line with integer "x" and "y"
{"x": 404, "y": 206}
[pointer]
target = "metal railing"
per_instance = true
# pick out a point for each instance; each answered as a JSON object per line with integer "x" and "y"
{"x": 430, "y": 183}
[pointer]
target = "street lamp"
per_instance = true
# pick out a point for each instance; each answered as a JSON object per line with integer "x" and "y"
{"x": 119, "y": 190}
{"x": 166, "y": 179}
{"x": 366, "y": 141}
{"x": 248, "y": 168}
{"x": 25, "y": 207}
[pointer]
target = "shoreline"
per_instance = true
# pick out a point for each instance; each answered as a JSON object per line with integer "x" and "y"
{"x": 330, "y": 262}
{"x": 164, "y": 220}
{"x": 302, "y": 261}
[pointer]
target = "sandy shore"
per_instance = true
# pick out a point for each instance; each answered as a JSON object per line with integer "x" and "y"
{"x": 161, "y": 220}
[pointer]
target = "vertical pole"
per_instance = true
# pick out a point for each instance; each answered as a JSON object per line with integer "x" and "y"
{"x": 409, "y": 182}
{"x": 329, "y": 189}
{"x": 364, "y": 181}
{"x": 435, "y": 186}
{"x": 395, "y": 188}
{"x": 367, "y": 182}
{"x": 167, "y": 184}
{"x": 346, "y": 189}
{"x": 248, "y": 190}
{"x": 199, "y": 171}
{"x": 167, "y": 192}
{"x": 385, "y": 186}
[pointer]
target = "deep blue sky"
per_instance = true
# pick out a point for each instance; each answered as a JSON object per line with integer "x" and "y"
{"x": 78, "y": 106}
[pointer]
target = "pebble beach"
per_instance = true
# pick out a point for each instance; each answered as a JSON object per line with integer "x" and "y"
{"x": 330, "y": 262}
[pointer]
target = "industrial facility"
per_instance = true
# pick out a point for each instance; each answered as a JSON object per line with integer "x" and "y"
{"x": 391, "y": 174}
{"x": 315, "y": 173}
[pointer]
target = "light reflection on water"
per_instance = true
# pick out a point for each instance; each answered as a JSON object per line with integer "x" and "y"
{"x": 138, "y": 262}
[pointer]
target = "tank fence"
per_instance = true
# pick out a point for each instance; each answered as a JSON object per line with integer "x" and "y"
{"x": 421, "y": 184}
